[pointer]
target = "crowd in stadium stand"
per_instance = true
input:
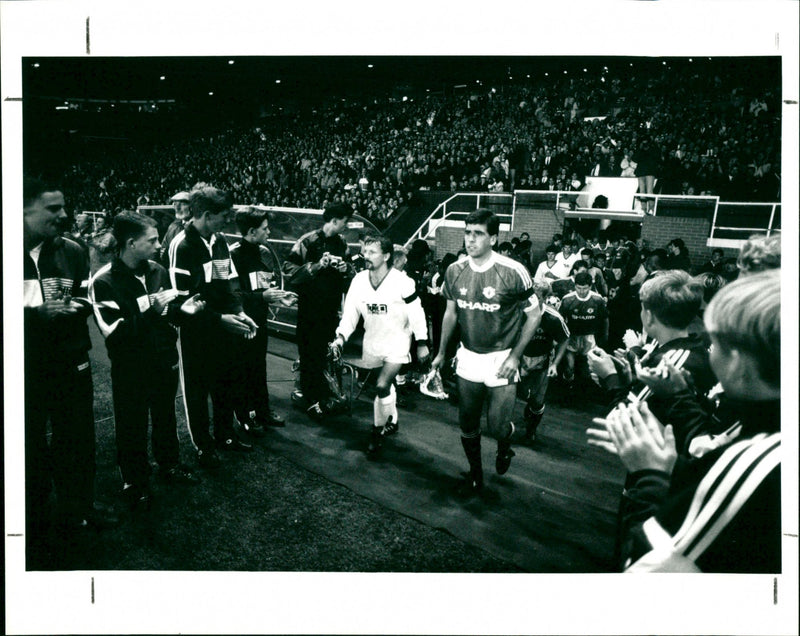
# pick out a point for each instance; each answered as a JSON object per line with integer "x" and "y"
{"x": 706, "y": 136}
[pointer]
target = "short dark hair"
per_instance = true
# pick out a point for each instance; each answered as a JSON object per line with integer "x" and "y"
{"x": 33, "y": 188}
{"x": 207, "y": 198}
{"x": 482, "y": 216}
{"x": 673, "y": 296}
{"x": 250, "y": 219}
{"x": 505, "y": 246}
{"x": 384, "y": 242}
{"x": 578, "y": 265}
{"x": 130, "y": 225}
{"x": 336, "y": 211}
{"x": 551, "y": 249}
{"x": 587, "y": 251}
{"x": 583, "y": 278}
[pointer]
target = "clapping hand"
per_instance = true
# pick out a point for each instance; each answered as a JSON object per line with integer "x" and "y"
{"x": 56, "y": 308}
{"x": 600, "y": 363}
{"x": 193, "y": 305}
{"x": 633, "y": 339}
{"x": 665, "y": 379}
{"x": 162, "y": 298}
{"x": 636, "y": 435}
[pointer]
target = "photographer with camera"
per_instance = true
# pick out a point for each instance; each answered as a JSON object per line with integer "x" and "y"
{"x": 318, "y": 271}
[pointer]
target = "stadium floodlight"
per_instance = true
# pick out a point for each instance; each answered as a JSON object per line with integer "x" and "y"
{"x": 210, "y": 92}
{"x": 277, "y": 81}
{"x": 370, "y": 66}
{"x": 37, "y": 64}
{"x": 163, "y": 77}
{"x": 230, "y": 61}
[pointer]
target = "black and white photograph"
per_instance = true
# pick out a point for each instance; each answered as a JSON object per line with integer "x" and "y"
{"x": 350, "y": 319}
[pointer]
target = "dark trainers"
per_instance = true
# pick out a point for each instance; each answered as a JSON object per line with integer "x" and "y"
{"x": 298, "y": 400}
{"x": 180, "y": 474}
{"x": 271, "y": 419}
{"x": 391, "y": 427}
{"x": 208, "y": 459}
{"x": 315, "y": 412}
{"x": 504, "y": 455}
{"x": 470, "y": 484}
{"x": 235, "y": 444}
{"x": 253, "y": 427}
{"x": 375, "y": 441}
{"x": 136, "y": 498}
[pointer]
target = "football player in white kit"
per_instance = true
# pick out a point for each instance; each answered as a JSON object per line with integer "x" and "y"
{"x": 491, "y": 298}
{"x": 387, "y": 300}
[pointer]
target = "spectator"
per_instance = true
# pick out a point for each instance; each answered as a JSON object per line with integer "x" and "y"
{"x": 201, "y": 266}
{"x": 180, "y": 202}
{"x": 678, "y": 256}
{"x": 257, "y": 289}
{"x": 744, "y": 323}
{"x": 131, "y": 298}
{"x": 566, "y": 258}
{"x": 759, "y": 253}
{"x": 714, "y": 264}
{"x": 58, "y": 379}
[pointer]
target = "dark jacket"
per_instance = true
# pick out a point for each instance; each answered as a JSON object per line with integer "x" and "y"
{"x": 136, "y": 336}
{"x": 319, "y": 290}
{"x": 196, "y": 270}
{"x": 696, "y": 364}
{"x": 256, "y": 272}
{"x": 751, "y": 543}
{"x": 63, "y": 270}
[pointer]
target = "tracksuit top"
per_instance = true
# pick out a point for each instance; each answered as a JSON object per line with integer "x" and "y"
{"x": 63, "y": 270}
{"x": 205, "y": 268}
{"x": 751, "y": 542}
{"x": 135, "y": 334}
{"x": 256, "y": 272}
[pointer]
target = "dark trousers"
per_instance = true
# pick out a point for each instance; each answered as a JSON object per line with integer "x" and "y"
{"x": 207, "y": 364}
{"x": 315, "y": 329}
{"x": 138, "y": 391}
{"x": 63, "y": 395}
{"x": 249, "y": 379}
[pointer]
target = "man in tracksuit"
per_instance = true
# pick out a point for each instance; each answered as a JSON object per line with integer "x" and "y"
{"x": 200, "y": 264}
{"x": 257, "y": 289}
{"x": 58, "y": 377}
{"x": 131, "y": 298}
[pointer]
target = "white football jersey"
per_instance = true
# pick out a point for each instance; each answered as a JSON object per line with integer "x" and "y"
{"x": 391, "y": 312}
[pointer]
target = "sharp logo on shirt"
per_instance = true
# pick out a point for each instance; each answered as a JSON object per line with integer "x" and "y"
{"x": 377, "y": 308}
{"x": 489, "y": 292}
{"x": 466, "y": 304}
{"x": 463, "y": 291}
{"x": 590, "y": 310}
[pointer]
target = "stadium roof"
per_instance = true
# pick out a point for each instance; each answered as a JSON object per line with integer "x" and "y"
{"x": 294, "y": 77}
